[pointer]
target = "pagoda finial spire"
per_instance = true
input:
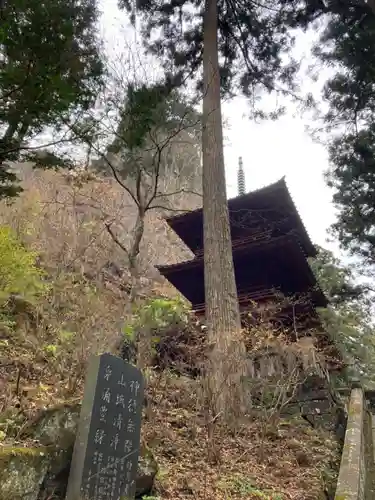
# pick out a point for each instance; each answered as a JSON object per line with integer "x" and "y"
{"x": 241, "y": 177}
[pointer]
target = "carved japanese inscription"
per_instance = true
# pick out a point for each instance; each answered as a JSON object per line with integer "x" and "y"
{"x": 105, "y": 458}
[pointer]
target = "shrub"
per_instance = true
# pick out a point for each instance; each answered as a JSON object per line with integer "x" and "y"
{"x": 150, "y": 320}
{"x": 19, "y": 274}
{"x": 161, "y": 313}
{"x": 163, "y": 333}
{"x": 155, "y": 314}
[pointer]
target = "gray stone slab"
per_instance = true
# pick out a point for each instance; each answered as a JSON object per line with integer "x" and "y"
{"x": 106, "y": 450}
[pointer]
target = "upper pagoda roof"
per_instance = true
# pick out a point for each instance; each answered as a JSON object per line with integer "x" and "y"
{"x": 270, "y": 208}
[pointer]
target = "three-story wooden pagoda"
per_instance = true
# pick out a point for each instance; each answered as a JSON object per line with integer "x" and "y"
{"x": 270, "y": 250}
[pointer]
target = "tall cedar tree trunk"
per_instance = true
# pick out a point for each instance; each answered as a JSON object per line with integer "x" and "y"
{"x": 222, "y": 308}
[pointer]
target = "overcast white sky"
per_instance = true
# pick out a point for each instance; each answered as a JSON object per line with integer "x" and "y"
{"x": 269, "y": 150}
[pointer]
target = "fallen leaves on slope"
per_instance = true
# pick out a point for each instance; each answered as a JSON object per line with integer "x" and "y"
{"x": 297, "y": 457}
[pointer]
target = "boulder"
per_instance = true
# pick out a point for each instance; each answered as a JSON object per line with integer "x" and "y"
{"x": 36, "y": 473}
{"x": 54, "y": 426}
{"x": 22, "y": 471}
{"x": 147, "y": 470}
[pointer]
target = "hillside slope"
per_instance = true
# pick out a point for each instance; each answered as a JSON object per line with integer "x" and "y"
{"x": 86, "y": 309}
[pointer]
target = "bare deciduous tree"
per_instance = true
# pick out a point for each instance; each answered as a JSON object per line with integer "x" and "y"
{"x": 138, "y": 152}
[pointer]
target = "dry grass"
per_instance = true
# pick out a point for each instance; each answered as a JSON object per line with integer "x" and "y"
{"x": 88, "y": 302}
{"x": 43, "y": 359}
{"x": 65, "y": 223}
{"x": 271, "y": 459}
{"x": 296, "y": 455}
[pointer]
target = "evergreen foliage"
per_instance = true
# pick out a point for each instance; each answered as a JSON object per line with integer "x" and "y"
{"x": 347, "y": 44}
{"x": 349, "y": 318}
{"x": 18, "y": 272}
{"x": 149, "y": 108}
{"x": 148, "y": 120}
{"x": 50, "y": 66}
{"x": 254, "y": 44}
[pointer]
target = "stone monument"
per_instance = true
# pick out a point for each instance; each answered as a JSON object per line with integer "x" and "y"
{"x": 105, "y": 457}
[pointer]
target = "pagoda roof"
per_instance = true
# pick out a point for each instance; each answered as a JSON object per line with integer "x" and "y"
{"x": 270, "y": 208}
{"x": 260, "y": 268}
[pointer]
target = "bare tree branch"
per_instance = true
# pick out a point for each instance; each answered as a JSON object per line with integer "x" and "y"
{"x": 108, "y": 227}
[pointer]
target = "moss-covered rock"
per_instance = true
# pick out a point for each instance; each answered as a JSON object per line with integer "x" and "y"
{"x": 22, "y": 471}
{"x": 147, "y": 470}
{"x": 56, "y": 425}
{"x": 37, "y": 473}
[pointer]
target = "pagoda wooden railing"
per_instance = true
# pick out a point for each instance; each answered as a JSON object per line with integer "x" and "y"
{"x": 268, "y": 295}
{"x": 262, "y": 236}
{"x": 255, "y": 239}
{"x": 245, "y": 298}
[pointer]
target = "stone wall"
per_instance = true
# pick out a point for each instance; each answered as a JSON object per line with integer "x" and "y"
{"x": 317, "y": 402}
{"x": 355, "y": 481}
